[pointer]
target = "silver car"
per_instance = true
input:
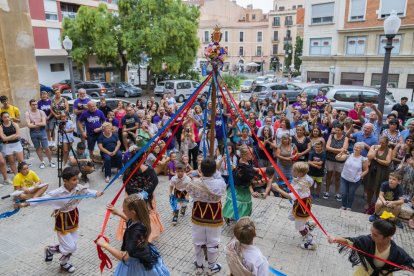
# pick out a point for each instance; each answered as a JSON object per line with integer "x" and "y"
{"x": 343, "y": 97}
{"x": 264, "y": 91}
{"x": 247, "y": 86}
{"x": 159, "y": 89}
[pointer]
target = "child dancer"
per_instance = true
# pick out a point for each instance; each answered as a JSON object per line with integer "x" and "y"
{"x": 186, "y": 161}
{"x": 66, "y": 216}
{"x": 207, "y": 215}
{"x": 137, "y": 256}
{"x": 243, "y": 258}
{"x": 301, "y": 183}
{"x": 171, "y": 170}
{"x": 178, "y": 186}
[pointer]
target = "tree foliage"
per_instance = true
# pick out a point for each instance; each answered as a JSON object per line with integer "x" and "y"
{"x": 298, "y": 52}
{"x": 165, "y": 30}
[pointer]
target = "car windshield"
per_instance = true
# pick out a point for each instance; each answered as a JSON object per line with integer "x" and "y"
{"x": 161, "y": 84}
{"x": 260, "y": 79}
{"x": 259, "y": 88}
{"x": 247, "y": 82}
{"x": 106, "y": 85}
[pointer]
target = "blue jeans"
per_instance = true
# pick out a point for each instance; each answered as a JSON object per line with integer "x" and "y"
{"x": 348, "y": 189}
{"x": 109, "y": 160}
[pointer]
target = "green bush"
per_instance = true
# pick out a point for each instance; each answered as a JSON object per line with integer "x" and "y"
{"x": 232, "y": 82}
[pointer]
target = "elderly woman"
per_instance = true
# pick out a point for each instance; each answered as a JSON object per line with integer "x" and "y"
{"x": 10, "y": 136}
{"x": 380, "y": 157}
{"x": 354, "y": 170}
{"x": 109, "y": 144}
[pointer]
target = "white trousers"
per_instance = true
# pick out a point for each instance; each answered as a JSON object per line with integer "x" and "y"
{"x": 68, "y": 243}
{"x": 299, "y": 223}
{"x": 209, "y": 237}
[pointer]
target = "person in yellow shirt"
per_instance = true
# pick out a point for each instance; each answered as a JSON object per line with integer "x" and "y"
{"x": 13, "y": 111}
{"x": 28, "y": 182}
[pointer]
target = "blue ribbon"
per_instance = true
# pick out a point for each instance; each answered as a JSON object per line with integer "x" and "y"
{"x": 146, "y": 146}
{"x": 9, "y": 214}
{"x": 276, "y": 272}
{"x": 40, "y": 199}
{"x": 205, "y": 123}
{"x": 229, "y": 169}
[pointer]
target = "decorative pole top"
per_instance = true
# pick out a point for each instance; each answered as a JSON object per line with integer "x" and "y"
{"x": 215, "y": 54}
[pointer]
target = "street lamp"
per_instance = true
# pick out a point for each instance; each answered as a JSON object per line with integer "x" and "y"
{"x": 332, "y": 71}
{"x": 67, "y": 44}
{"x": 391, "y": 26}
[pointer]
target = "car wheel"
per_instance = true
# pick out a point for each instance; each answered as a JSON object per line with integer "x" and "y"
{"x": 181, "y": 99}
{"x": 126, "y": 94}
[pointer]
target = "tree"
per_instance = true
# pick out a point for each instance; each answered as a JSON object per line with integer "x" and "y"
{"x": 165, "y": 30}
{"x": 298, "y": 52}
{"x": 288, "y": 56}
{"x": 96, "y": 31}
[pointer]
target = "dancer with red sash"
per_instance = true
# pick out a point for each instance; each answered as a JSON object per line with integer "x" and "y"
{"x": 207, "y": 215}
{"x": 66, "y": 216}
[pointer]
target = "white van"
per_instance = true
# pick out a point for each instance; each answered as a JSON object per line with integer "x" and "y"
{"x": 181, "y": 90}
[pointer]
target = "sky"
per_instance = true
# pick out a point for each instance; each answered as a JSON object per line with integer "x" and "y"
{"x": 265, "y": 5}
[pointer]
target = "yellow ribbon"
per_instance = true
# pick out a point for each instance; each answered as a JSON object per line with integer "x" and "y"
{"x": 387, "y": 215}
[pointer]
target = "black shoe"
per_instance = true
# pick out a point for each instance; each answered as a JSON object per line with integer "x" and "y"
{"x": 400, "y": 225}
{"x": 175, "y": 219}
{"x": 182, "y": 211}
{"x": 48, "y": 254}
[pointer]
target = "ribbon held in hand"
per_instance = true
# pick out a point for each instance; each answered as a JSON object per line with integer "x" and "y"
{"x": 105, "y": 261}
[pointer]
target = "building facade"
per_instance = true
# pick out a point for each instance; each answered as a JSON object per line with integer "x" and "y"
{"x": 51, "y": 58}
{"x": 344, "y": 42}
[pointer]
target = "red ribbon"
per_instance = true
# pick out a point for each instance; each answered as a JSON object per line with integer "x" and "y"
{"x": 293, "y": 190}
{"x": 105, "y": 261}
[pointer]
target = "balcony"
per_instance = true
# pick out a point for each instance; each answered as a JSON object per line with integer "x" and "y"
{"x": 275, "y": 39}
{"x": 69, "y": 14}
{"x": 276, "y": 24}
{"x": 288, "y": 23}
{"x": 287, "y": 38}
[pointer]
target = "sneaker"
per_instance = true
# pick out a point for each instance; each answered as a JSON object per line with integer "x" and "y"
{"x": 348, "y": 209}
{"x": 7, "y": 182}
{"x": 309, "y": 245}
{"x": 373, "y": 217}
{"x": 182, "y": 211}
{"x": 175, "y": 219}
{"x": 107, "y": 179}
{"x": 400, "y": 225}
{"x": 311, "y": 225}
{"x": 9, "y": 170}
{"x": 42, "y": 165}
{"x": 214, "y": 269}
{"x": 68, "y": 267}
{"x": 342, "y": 208}
{"x": 338, "y": 197}
{"x": 199, "y": 269}
{"x": 52, "y": 164}
{"x": 48, "y": 254}
{"x": 325, "y": 195}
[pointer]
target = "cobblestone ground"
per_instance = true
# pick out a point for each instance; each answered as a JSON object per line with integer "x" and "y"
{"x": 24, "y": 235}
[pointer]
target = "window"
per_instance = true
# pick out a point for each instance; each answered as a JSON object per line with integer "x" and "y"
{"x": 206, "y": 36}
{"x": 288, "y": 33}
{"x": 396, "y": 5}
{"x": 347, "y": 96}
{"x": 281, "y": 8}
{"x": 68, "y": 10}
{"x": 50, "y": 10}
{"x": 300, "y": 6}
{"x": 396, "y": 42}
{"x": 322, "y": 13}
{"x": 410, "y": 81}
{"x": 318, "y": 77}
{"x": 274, "y": 49}
{"x": 259, "y": 51}
{"x": 392, "y": 80}
{"x": 227, "y": 50}
{"x": 253, "y": 17}
{"x": 259, "y": 36}
{"x": 241, "y": 51}
{"x": 352, "y": 79}
{"x": 369, "y": 97}
{"x": 355, "y": 45}
{"x": 226, "y": 36}
{"x": 276, "y": 21}
{"x": 54, "y": 38}
{"x": 357, "y": 10}
{"x": 294, "y": 7}
{"x": 288, "y": 21}
{"x": 320, "y": 46}
{"x": 57, "y": 67}
{"x": 275, "y": 35}
{"x": 241, "y": 37}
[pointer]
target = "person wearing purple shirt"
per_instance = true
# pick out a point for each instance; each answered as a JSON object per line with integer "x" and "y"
{"x": 79, "y": 106}
{"x": 92, "y": 119}
{"x": 304, "y": 110}
{"x": 321, "y": 100}
{"x": 45, "y": 104}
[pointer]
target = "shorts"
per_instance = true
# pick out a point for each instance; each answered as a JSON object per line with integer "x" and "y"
{"x": 50, "y": 124}
{"x": 12, "y": 148}
{"x": 39, "y": 138}
{"x": 318, "y": 179}
{"x": 92, "y": 139}
{"x": 334, "y": 166}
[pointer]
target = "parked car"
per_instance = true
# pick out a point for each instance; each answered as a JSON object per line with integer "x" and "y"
{"x": 126, "y": 90}
{"x": 180, "y": 89}
{"x": 343, "y": 97}
{"x": 46, "y": 88}
{"x": 264, "y": 91}
{"x": 96, "y": 89}
{"x": 297, "y": 79}
{"x": 263, "y": 80}
{"x": 64, "y": 85}
{"x": 247, "y": 86}
{"x": 159, "y": 89}
{"x": 313, "y": 90}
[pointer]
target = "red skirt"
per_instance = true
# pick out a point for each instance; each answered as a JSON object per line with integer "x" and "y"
{"x": 66, "y": 222}
{"x": 299, "y": 211}
{"x": 180, "y": 195}
{"x": 207, "y": 214}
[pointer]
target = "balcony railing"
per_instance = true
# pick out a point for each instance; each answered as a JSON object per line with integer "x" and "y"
{"x": 276, "y": 24}
{"x": 69, "y": 14}
{"x": 275, "y": 39}
{"x": 287, "y": 38}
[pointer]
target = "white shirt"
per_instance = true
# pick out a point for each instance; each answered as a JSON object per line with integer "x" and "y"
{"x": 353, "y": 168}
{"x": 254, "y": 260}
{"x": 302, "y": 186}
{"x": 207, "y": 189}
{"x": 180, "y": 183}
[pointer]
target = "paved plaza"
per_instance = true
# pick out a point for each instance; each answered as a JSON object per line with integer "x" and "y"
{"x": 24, "y": 235}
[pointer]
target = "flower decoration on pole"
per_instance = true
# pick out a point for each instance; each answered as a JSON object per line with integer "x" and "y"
{"x": 215, "y": 54}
